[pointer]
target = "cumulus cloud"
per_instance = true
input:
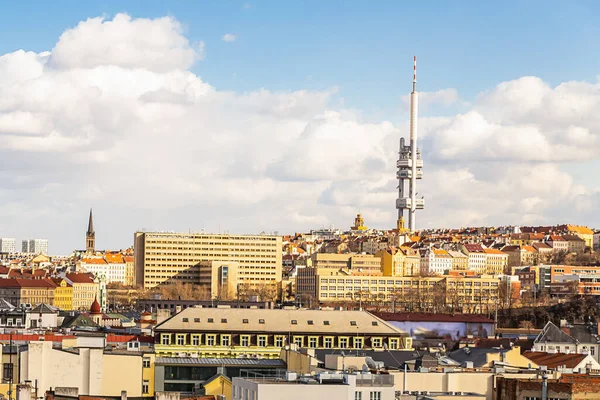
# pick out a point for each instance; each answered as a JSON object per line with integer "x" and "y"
{"x": 229, "y": 37}
{"x": 113, "y": 118}
{"x": 153, "y": 44}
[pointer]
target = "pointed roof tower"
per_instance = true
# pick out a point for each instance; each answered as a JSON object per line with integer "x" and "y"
{"x": 90, "y": 224}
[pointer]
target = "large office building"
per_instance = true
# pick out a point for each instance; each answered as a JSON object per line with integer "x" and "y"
{"x": 167, "y": 257}
{"x": 7, "y": 245}
{"x": 35, "y": 246}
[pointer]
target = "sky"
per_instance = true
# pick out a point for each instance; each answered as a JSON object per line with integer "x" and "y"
{"x": 265, "y": 116}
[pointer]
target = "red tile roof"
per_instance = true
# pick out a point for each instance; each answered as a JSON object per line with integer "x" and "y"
{"x": 80, "y": 278}
{"x": 554, "y": 360}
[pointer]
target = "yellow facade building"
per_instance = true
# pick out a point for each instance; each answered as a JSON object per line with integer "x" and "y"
{"x": 165, "y": 258}
{"x": 63, "y": 294}
{"x": 129, "y": 270}
{"x": 399, "y": 261}
{"x": 496, "y": 262}
{"x": 85, "y": 290}
{"x": 584, "y": 233}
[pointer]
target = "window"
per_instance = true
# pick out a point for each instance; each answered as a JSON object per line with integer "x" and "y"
{"x": 374, "y": 323}
{"x": 278, "y": 341}
{"x": 358, "y": 343}
{"x": 244, "y": 321}
{"x": 393, "y": 344}
{"x": 312, "y": 342}
{"x": 310, "y": 322}
{"x": 146, "y": 363}
{"x": 376, "y": 342}
{"x": 223, "y": 320}
{"x": 357, "y": 395}
{"x": 353, "y": 323}
{"x": 195, "y": 340}
{"x": 375, "y": 396}
{"x": 210, "y": 340}
{"x": 343, "y": 342}
{"x": 165, "y": 339}
{"x": 261, "y": 321}
{"x": 325, "y": 322}
{"x": 8, "y": 372}
{"x": 180, "y": 340}
{"x": 245, "y": 341}
{"x": 592, "y": 350}
{"x": 145, "y": 387}
{"x": 225, "y": 340}
{"x": 210, "y": 320}
{"x": 186, "y": 320}
{"x": 294, "y": 322}
{"x": 298, "y": 341}
{"x": 262, "y": 341}
{"x": 196, "y": 319}
{"x": 328, "y": 342}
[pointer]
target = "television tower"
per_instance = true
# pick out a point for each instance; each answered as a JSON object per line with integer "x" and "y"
{"x": 410, "y": 167}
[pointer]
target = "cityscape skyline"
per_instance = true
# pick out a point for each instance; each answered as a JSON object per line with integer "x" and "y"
{"x": 120, "y": 132}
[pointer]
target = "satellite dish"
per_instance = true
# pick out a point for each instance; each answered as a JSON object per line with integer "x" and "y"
{"x": 343, "y": 354}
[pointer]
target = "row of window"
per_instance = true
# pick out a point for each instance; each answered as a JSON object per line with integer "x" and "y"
{"x": 328, "y": 342}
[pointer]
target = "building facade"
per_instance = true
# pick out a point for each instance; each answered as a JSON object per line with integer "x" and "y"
{"x": 35, "y": 246}
{"x": 163, "y": 258}
{"x": 253, "y": 333}
{"x": 8, "y": 245}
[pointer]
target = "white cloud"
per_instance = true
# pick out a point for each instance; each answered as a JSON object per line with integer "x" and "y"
{"x": 153, "y": 44}
{"x": 229, "y": 37}
{"x": 113, "y": 118}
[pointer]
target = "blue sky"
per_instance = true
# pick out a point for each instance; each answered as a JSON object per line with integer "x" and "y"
{"x": 363, "y": 48}
{"x": 85, "y": 129}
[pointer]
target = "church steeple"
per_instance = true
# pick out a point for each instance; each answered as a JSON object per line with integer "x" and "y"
{"x": 90, "y": 236}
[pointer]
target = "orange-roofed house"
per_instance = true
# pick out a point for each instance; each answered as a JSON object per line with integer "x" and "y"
{"x": 27, "y": 291}
{"x": 583, "y": 232}
{"x": 111, "y": 267}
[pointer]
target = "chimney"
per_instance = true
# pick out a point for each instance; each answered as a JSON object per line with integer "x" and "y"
{"x": 566, "y": 330}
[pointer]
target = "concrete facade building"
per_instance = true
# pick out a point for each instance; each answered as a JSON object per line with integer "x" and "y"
{"x": 333, "y": 386}
{"x": 8, "y": 245}
{"x": 86, "y": 366}
{"x": 35, "y": 246}
{"x": 163, "y": 258}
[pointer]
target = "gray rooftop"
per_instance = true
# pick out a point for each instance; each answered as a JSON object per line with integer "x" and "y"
{"x": 226, "y": 362}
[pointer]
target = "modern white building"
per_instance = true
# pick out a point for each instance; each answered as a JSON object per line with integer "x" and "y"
{"x": 8, "y": 245}
{"x": 35, "y": 246}
{"x": 330, "y": 386}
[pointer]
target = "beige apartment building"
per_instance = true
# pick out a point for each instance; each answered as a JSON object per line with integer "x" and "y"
{"x": 476, "y": 293}
{"x": 165, "y": 257}
{"x": 496, "y": 261}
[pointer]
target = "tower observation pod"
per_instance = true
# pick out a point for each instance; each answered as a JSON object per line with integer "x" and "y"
{"x": 410, "y": 168}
